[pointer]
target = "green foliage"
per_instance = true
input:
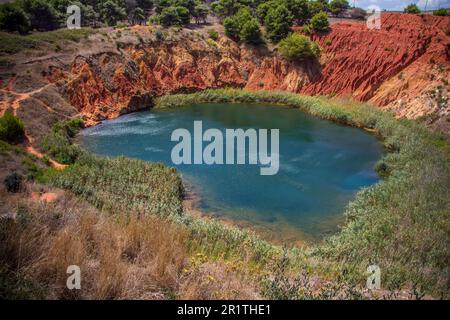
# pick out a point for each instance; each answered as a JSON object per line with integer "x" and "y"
{"x": 111, "y": 12}
{"x": 299, "y": 10}
{"x": 13, "y": 182}
{"x": 58, "y": 143}
{"x": 441, "y": 12}
{"x": 200, "y": 13}
{"x": 412, "y": 8}
{"x": 138, "y": 16}
{"x": 250, "y": 32}
{"x": 183, "y": 15}
{"x": 382, "y": 169}
{"x": 263, "y": 8}
{"x": 159, "y": 35}
{"x": 213, "y": 34}
{"x": 299, "y": 47}
{"x": 180, "y": 12}
{"x": 226, "y": 8}
{"x": 13, "y": 18}
{"x": 122, "y": 185}
{"x": 174, "y": 16}
{"x": 319, "y": 22}
{"x": 278, "y": 22}
{"x": 42, "y": 15}
{"x": 231, "y": 28}
{"x": 337, "y": 7}
{"x": 242, "y": 26}
{"x": 316, "y": 6}
{"x": 12, "y": 129}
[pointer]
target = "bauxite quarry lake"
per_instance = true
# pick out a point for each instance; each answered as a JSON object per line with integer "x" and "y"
{"x": 322, "y": 165}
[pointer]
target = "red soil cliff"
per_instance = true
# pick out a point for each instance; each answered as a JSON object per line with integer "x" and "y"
{"x": 404, "y": 67}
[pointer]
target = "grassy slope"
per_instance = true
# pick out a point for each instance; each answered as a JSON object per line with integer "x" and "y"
{"x": 13, "y": 43}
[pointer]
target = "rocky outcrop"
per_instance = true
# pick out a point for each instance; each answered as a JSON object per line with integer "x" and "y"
{"x": 404, "y": 67}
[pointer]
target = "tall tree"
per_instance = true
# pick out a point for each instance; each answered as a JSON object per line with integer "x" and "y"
{"x": 337, "y": 7}
{"x": 278, "y": 22}
{"x": 111, "y": 12}
{"x": 42, "y": 15}
{"x": 13, "y": 18}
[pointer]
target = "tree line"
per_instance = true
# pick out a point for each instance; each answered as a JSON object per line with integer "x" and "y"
{"x": 24, "y": 16}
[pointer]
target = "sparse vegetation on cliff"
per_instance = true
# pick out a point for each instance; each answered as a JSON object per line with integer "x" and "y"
{"x": 11, "y": 128}
{"x": 298, "y": 47}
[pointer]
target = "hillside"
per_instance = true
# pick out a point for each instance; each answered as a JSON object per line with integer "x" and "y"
{"x": 404, "y": 68}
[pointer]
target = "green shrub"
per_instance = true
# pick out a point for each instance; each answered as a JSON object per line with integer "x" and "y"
{"x": 412, "y": 8}
{"x": 250, "y": 32}
{"x": 11, "y": 128}
{"x": 174, "y": 16}
{"x": 231, "y": 28}
{"x": 263, "y": 8}
{"x": 278, "y": 22}
{"x": 13, "y": 182}
{"x": 159, "y": 35}
{"x": 319, "y": 22}
{"x": 13, "y": 18}
{"x": 441, "y": 12}
{"x": 58, "y": 143}
{"x": 337, "y": 7}
{"x": 299, "y": 47}
{"x": 242, "y": 26}
{"x": 213, "y": 34}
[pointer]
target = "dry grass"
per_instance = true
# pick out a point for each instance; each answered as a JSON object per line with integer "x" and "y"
{"x": 120, "y": 256}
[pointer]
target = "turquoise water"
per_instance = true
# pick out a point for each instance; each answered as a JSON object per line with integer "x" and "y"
{"x": 322, "y": 165}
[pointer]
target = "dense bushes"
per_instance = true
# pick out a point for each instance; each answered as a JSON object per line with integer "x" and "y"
{"x": 41, "y": 15}
{"x": 180, "y": 12}
{"x": 319, "y": 22}
{"x": 213, "y": 34}
{"x": 13, "y": 182}
{"x": 441, "y": 12}
{"x": 58, "y": 142}
{"x": 412, "y": 8}
{"x": 177, "y": 16}
{"x": 299, "y": 47}
{"x": 11, "y": 128}
{"x": 337, "y": 7}
{"x": 122, "y": 185}
{"x": 13, "y": 18}
{"x": 242, "y": 26}
{"x": 278, "y": 22}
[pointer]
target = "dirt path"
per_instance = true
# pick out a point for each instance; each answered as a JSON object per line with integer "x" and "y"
{"x": 15, "y": 104}
{"x": 30, "y": 149}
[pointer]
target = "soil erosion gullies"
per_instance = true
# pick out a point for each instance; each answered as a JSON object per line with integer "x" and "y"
{"x": 402, "y": 67}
